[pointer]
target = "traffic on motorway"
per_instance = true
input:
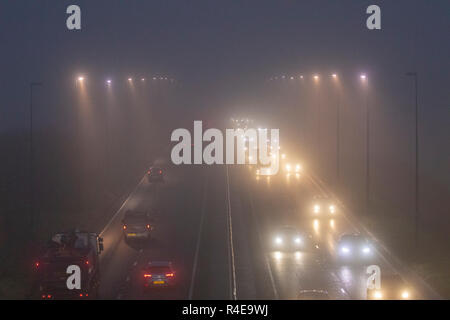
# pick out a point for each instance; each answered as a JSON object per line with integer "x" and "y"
{"x": 311, "y": 248}
{"x": 228, "y": 158}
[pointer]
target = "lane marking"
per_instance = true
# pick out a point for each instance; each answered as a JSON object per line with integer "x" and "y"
{"x": 197, "y": 246}
{"x": 232, "y": 273}
{"x": 266, "y": 258}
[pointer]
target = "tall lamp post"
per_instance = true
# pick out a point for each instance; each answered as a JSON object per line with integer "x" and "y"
{"x": 338, "y": 131}
{"x": 32, "y": 218}
{"x": 416, "y": 191}
{"x": 363, "y": 78}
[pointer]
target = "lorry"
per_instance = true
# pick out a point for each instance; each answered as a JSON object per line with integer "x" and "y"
{"x": 63, "y": 252}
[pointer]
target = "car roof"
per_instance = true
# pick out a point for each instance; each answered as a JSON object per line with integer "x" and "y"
{"x": 159, "y": 264}
{"x": 354, "y": 236}
{"x": 288, "y": 228}
{"x": 320, "y": 197}
{"x": 314, "y": 291}
{"x": 135, "y": 214}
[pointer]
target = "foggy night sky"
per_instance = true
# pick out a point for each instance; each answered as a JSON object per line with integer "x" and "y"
{"x": 220, "y": 47}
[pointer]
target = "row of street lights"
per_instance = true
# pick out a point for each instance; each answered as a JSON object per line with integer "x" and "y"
{"x": 316, "y": 77}
{"x": 363, "y": 77}
{"x": 108, "y": 82}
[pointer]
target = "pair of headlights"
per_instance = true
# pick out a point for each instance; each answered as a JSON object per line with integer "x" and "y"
{"x": 331, "y": 208}
{"x": 378, "y": 295}
{"x": 279, "y": 240}
{"x": 347, "y": 250}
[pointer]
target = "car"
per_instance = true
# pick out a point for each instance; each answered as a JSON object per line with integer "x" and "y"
{"x": 288, "y": 238}
{"x": 155, "y": 174}
{"x": 290, "y": 168}
{"x": 354, "y": 248}
{"x": 159, "y": 274}
{"x": 137, "y": 225}
{"x": 392, "y": 287}
{"x": 323, "y": 207}
{"x": 313, "y": 295}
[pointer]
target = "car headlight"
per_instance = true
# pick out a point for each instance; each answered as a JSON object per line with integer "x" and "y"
{"x": 298, "y": 240}
{"x": 316, "y": 208}
{"x": 405, "y": 294}
{"x": 345, "y": 250}
{"x": 288, "y": 168}
{"x": 378, "y": 295}
{"x": 332, "y": 209}
{"x": 278, "y": 240}
{"x": 366, "y": 250}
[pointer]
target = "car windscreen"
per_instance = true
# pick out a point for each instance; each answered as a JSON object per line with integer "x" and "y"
{"x": 135, "y": 218}
{"x": 159, "y": 270}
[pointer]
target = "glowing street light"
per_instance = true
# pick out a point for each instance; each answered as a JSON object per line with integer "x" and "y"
{"x": 108, "y": 82}
{"x": 363, "y": 77}
{"x": 316, "y": 77}
{"x": 130, "y": 79}
{"x": 80, "y": 79}
{"x": 334, "y": 75}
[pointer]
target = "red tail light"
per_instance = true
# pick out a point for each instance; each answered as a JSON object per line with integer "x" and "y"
{"x": 147, "y": 275}
{"x": 160, "y": 171}
{"x": 149, "y": 172}
{"x": 169, "y": 275}
{"x": 37, "y": 264}
{"x": 148, "y": 226}
{"x": 124, "y": 227}
{"x": 87, "y": 262}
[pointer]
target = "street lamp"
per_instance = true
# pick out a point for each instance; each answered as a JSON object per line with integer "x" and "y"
{"x": 416, "y": 191}
{"x": 32, "y": 85}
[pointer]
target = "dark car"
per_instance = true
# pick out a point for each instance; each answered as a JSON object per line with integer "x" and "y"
{"x": 137, "y": 225}
{"x": 159, "y": 274}
{"x": 155, "y": 174}
{"x": 354, "y": 248}
{"x": 288, "y": 238}
{"x": 323, "y": 207}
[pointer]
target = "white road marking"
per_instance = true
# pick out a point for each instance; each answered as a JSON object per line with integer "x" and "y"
{"x": 197, "y": 247}
{"x": 233, "y": 291}
{"x": 121, "y": 207}
{"x": 266, "y": 258}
